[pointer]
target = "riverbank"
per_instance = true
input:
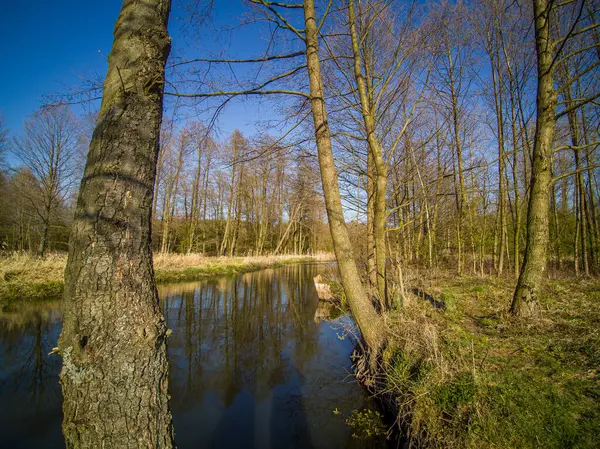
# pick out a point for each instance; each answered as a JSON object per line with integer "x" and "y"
{"x": 24, "y": 277}
{"x": 467, "y": 374}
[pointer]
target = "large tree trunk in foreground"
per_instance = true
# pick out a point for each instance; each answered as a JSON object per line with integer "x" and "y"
{"x": 525, "y": 300}
{"x": 114, "y": 374}
{"x": 369, "y": 322}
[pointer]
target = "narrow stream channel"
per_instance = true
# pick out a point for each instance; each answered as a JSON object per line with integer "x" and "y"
{"x": 253, "y": 364}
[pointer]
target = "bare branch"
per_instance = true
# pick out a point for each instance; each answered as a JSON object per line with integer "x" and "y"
{"x": 240, "y": 61}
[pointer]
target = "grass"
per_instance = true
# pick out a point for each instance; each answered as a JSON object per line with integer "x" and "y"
{"x": 473, "y": 376}
{"x": 179, "y": 267}
{"x": 23, "y": 276}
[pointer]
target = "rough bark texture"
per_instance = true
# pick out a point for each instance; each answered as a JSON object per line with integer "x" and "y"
{"x": 114, "y": 374}
{"x": 525, "y": 300}
{"x": 369, "y": 322}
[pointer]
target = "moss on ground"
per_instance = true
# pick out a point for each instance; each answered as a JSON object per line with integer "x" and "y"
{"x": 473, "y": 376}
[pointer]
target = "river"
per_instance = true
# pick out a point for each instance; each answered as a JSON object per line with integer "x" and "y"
{"x": 255, "y": 362}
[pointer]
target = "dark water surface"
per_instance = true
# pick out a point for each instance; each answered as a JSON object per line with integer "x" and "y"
{"x": 252, "y": 365}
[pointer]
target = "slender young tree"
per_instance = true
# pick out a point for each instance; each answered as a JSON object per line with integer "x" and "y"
{"x": 3, "y": 142}
{"x": 525, "y": 300}
{"x": 114, "y": 373}
{"x": 379, "y": 210}
{"x": 366, "y": 317}
{"x": 555, "y": 25}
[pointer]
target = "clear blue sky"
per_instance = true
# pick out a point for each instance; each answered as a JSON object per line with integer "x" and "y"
{"x": 48, "y": 44}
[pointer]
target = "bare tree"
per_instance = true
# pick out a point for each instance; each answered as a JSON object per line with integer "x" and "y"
{"x": 3, "y": 142}
{"x": 49, "y": 149}
{"x": 368, "y": 320}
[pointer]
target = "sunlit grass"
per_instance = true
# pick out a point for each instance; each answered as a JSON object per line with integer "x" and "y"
{"x": 179, "y": 267}
{"x": 473, "y": 376}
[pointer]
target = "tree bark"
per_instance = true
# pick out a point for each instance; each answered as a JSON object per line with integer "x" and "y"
{"x": 525, "y": 300}
{"x": 371, "y": 250}
{"x": 114, "y": 375}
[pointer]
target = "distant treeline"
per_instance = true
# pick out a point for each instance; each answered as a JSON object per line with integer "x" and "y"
{"x": 232, "y": 198}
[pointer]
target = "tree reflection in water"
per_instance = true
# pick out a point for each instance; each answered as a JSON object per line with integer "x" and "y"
{"x": 30, "y": 395}
{"x": 249, "y": 366}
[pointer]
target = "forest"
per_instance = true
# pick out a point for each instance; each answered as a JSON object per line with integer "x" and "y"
{"x": 447, "y": 153}
{"x": 454, "y": 117}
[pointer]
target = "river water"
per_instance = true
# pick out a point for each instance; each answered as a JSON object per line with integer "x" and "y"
{"x": 255, "y": 362}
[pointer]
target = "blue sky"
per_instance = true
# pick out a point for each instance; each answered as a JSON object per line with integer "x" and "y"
{"x": 46, "y": 43}
{"x": 49, "y": 44}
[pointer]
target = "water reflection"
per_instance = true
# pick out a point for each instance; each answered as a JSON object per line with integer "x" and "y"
{"x": 30, "y": 397}
{"x": 251, "y": 365}
{"x": 254, "y": 362}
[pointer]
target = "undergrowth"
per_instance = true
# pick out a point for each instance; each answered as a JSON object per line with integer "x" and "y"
{"x": 472, "y": 376}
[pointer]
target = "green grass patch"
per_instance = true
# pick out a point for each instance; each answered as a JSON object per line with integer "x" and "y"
{"x": 475, "y": 377}
{"x": 14, "y": 291}
{"x": 525, "y": 409}
{"x": 458, "y": 392}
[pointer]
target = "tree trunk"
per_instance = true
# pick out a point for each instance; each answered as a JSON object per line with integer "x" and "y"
{"x": 230, "y": 202}
{"x": 172, "y": 195}
{"x": 517, "y": 206}
{"x": 196, "y": 199}
{"x": 367, "y": 319}
{"x": 556, "y": 241}
{"x": 114, "y": 375}
{"x": 45, "y": 231}
{"x": 379, "y": 208}
{"x": 525, "y": 300}
{"x": 497, "y": 84}
{"x": 460, "y": 189}
{"x": 581, "y": 207}
{"x": 371, "y": 263}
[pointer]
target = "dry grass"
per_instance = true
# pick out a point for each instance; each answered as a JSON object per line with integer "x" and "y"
{"x": 23, "y": 276}
{"x": 179, "y": 267}
{"x": 24, "y": 266}
{"x": 178, "y": 262}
